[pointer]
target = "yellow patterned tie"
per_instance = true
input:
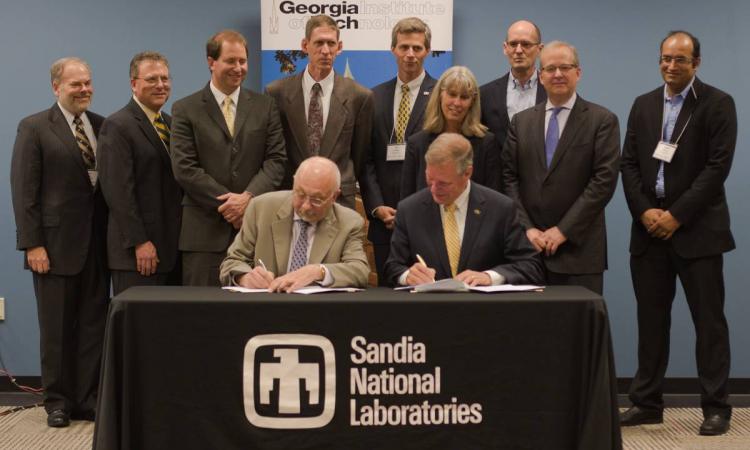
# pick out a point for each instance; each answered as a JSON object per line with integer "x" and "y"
{"x": 228, "y": 114}
{"x": 162, "y": 130}
{"x": 404, "y": 110}
{"x": 452, "y": 241}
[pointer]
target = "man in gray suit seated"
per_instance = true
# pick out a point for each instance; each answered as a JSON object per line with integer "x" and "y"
{"x": 291, "y": 239}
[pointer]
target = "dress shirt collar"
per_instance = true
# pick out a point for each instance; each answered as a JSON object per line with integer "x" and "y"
{"x": 69, "y": 116}
{"x": 413, "y": 84}
{"x": 220, "y": 96}
{"x": 462, "y": 201}
{"x": 326, "y": 84}
{"x": 682, "y": 94}
{"x": 149, "y": 112}
{"x": 530, "y": 83}
{"x": 567, "y": 105}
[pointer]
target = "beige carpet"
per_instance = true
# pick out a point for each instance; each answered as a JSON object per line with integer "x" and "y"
{"x": 27, "y": 430}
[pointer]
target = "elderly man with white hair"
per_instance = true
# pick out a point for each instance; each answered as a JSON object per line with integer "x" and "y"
{"x": 292, "y": 239}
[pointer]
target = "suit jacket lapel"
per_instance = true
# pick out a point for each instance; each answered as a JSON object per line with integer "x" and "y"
{"x": 214, "y": 112}
{"x": 417, "y": 112}
{"x": 148, "y": 129}
{"x": 686, "y": 112}
{"x": 244, "y": 104}
{"x": 337, "y": 114}
{"x": 537, "y": 134}
{"x": 473, "y": 224}
{"x": 282, "y": 236}
{"x": 62, "y": 129}
{"x": 388, "y": 110}
{"x": 325, "y": 233}
{"x": 295, "y": 111}
{"x": 576, "y": 120}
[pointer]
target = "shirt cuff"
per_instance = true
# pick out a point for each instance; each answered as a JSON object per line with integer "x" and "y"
{"x": 403, "y": 277}
{"x": 495, "y": 278}
{"x": 328, "y": 278}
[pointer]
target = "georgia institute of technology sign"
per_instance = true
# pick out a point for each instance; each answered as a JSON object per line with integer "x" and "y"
{"x": 289, "y": 382}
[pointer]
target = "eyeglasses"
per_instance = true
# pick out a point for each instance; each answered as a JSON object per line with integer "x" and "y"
{"x": 679, "y": 60}
{"x": 154, "y": 80}
{"x": 315, "y": 202}
{"x": 563, "y": 68}
{"x": 526, "y": 45}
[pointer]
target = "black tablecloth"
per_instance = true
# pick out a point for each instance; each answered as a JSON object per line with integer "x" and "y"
{"x": 539, "y": 365}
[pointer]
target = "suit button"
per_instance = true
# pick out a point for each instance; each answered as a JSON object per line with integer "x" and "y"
{"x": 234, "y": 174}
{"x": 234, "y": 150}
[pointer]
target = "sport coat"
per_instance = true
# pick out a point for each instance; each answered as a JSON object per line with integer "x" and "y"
{"x": 135, "y": 172}
{"x": 493, "y": 238}
{"x": 494, "y": 97}
{"x": 208, "y": 162}
{"x": 694, "y": 180}
{"x": 486, "y": 162}
{"x": 266, "y": 235}
{"x": 54, "y": 203}
{"x": 381, "y": 181}
{"x": 346, "y": 137}
{"x": 573, "y": 192}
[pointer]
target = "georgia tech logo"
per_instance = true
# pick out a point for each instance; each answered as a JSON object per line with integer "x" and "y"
{"x": 289, "y": 381}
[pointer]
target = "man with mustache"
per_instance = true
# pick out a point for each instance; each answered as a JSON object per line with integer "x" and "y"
{"x": 322, "y": 112}
{"x": 138, "y": 184}
{"x": 61, "y": 227}
{"x": 291, "y": 239}
{"x": 227, "y": 147}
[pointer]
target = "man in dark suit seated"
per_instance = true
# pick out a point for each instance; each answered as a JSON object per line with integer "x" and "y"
{"x": 399, "y": 110}
{"x": 61, "y": 222}
{"x": 136, "y": 177}
{"x": 460, "y": 229}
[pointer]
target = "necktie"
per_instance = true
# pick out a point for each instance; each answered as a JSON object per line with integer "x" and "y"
{"x": 87, "y": 151}
{"x": 162, "y": 130}
{"x": 226, "y": 109}
{"x": 404, "y": 110}
{"x": 299, "y": 255}
{"x": 315, "y": 120}
{"x": 553, "y": 136}
{"x": 674, "y": 109}
{"x": 452, "y": 241}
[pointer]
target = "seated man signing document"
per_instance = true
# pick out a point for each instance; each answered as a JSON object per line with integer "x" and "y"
{"x": 291, "y": 239}
{"x": 458, "y": 228}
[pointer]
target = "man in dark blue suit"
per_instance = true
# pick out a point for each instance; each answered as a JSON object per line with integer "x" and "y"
{"x": 399, "y": 109}
{"x": 459, "y": 229}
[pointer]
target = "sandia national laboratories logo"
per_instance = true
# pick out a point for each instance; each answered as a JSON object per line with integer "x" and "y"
{"x": 289, "y": 381}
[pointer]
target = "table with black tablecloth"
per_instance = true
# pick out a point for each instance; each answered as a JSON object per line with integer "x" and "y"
{"x": 539, "y": 365}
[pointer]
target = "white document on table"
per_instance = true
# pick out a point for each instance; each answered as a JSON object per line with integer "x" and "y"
{"x": 244, "y": 290}
{"x": 320, "y": 289}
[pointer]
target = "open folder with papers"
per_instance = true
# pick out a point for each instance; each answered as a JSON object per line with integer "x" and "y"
{"x": 453, "y": 285}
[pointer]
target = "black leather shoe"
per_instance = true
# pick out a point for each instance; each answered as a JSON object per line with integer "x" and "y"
{"x": 88, "y": 416}
{"x": 58, "y": 419}
{"x": 714, "y": 425}
{"x": 640, "y": 416}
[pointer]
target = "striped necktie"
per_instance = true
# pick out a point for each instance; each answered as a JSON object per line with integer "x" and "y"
{"x": 299, "y": 255}
{"x": 452, "y": 240}
{"x": 87, "y": 151}
{"x": 162, "y": 130}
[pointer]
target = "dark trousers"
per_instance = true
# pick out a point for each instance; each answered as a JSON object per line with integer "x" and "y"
{"x": 72, "y": 311}
{"x": 201, "y": 268}
{"x": 654, "y": 280}
{"x": 381, "y": 252}
{"x": 123, "y": 279}
{"x": 591, "y": 281}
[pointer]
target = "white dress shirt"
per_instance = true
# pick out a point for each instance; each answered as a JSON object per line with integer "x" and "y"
{"x": 414, "y": 86}
{"x": 326, "y": 85}
{"x": 220, "y": 96}
{"x": 562, "y": 116}
{"x": 296, "y": 227}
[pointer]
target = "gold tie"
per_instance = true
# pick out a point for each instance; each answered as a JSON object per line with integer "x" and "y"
{"x": 162, "y": 130}
{"x": 228, "y": 114}
{"x": 452, "y": 241}
{"x": 404, "y": 110}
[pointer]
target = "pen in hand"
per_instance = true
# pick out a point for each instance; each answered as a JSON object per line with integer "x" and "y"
{"x": 421, "y": 261}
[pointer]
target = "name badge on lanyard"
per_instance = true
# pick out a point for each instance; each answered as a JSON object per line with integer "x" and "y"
{"x": 395, "y": 152}
{"x": 664, "y": 151}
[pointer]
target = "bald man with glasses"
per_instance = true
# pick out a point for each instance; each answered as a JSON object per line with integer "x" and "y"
{"x": 292, "y": 239}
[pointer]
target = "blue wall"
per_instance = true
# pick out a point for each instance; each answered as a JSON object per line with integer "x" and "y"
{"x": 617, "y": 42}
